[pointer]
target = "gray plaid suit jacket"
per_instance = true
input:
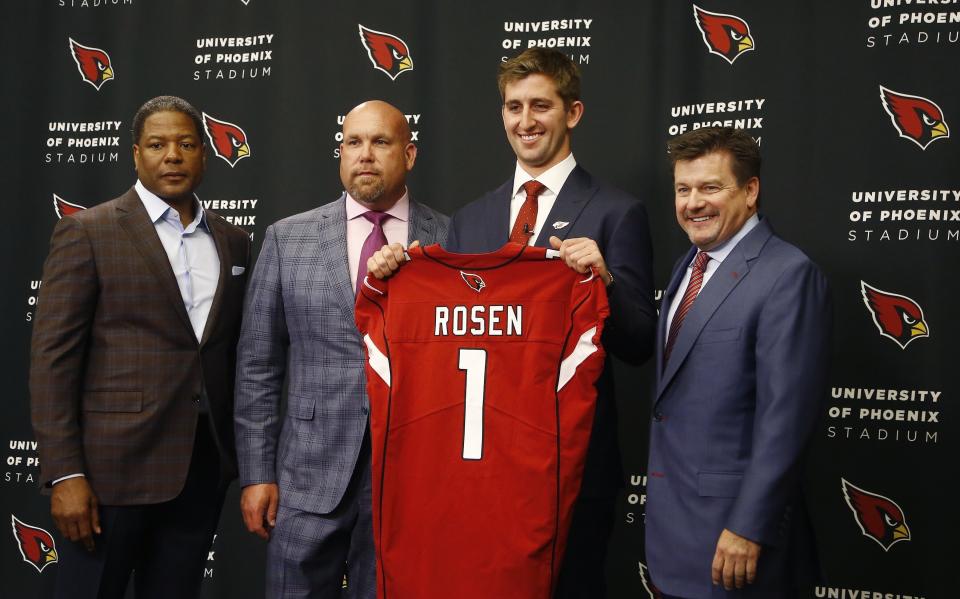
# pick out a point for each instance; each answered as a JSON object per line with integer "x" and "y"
{"x": 116, "y": 372}
{"x": 298, "y": 328}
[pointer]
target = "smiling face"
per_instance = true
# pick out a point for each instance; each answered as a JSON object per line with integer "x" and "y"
{"x": 537, "y": 123}
{"x": 711, "y": 207}
{"x": 376, "y": 154}
{"x": 169, "y": 156}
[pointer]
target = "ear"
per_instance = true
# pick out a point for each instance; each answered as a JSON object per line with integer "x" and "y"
{"x": 136, "y": 157}
{"x": 753, "y": 192}
{"x": 409, "y": 155}
{"x": 574, "y": 113}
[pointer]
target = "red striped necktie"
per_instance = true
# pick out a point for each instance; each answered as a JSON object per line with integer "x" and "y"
{"x": 693, "y": 288}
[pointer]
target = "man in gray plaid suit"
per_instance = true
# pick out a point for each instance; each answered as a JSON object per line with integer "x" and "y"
{"x": 306, "y": 473}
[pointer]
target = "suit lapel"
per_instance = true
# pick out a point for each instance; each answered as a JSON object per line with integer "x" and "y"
{"x": 571, "y": 200}
{"x": 143, "y": 235}
{"x": 422, "y": 225}
{"x": 730, "y": 273}
{"x": 333, "y": 234}
{"x": 219, "y": 233}
{"x": 497, "y": 227}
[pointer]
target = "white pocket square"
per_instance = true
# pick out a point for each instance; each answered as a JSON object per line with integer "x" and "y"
{"x": 237, "y": 270}
{"x": 560, "y": 224}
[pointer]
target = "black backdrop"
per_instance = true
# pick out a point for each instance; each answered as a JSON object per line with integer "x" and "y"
{"x": 869, "y": 204}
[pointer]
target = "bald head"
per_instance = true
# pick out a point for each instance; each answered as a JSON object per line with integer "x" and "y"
{"x": 376, "y": 154}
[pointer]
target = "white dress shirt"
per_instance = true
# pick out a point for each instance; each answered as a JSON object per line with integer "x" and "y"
{"x": 553, "y": 179}
{"x": 192, "y": 254}
{"x": 358, "y": 228}
{"x": 717, "y": 256}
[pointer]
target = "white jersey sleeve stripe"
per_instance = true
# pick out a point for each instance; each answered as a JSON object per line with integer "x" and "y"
{"x": 581, "y": 352}
{"x": 378, "y": 362}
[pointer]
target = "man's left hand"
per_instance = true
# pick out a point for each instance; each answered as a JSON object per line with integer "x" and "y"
{"x": 735, "y": 562}
{"x": 581, "y": 253}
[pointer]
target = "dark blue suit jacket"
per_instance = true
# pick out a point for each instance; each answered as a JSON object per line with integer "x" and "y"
{"x": 618, "y": 223}
{"x": 733, "y": 411}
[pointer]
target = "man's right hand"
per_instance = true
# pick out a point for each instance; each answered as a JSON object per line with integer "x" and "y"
{"x": 258, "y": 504}
{"x": 75, "y": 510}
{"x": 388, "y": 259}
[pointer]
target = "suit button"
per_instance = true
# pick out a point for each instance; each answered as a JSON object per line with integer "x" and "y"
{"x": 364, "y": 410}
{"x": 196, "y": 398}
{"x": 658, "y": 417}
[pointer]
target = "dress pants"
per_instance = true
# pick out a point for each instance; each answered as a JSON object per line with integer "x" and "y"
{"x": 312, "y": 555}
{"x": 164, "y": 545}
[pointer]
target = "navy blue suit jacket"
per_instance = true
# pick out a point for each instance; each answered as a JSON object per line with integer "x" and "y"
{"x": 618, "y": 223}
{"x": 734, "y": 408}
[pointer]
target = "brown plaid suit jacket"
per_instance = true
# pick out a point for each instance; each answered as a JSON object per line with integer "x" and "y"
{"x": 116, "y": 373}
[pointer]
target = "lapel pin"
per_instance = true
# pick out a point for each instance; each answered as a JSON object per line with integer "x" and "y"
{"x": 560, "y": 224}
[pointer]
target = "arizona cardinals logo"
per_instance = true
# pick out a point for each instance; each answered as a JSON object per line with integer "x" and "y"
{"x": 725, "y": 35}
{"x": 897, "y": 316}
{"x": 918, "y": 119}
{"x": 388, "y": 53}
{"x": 93, "y": 63}
{"x": 65, "y": 208}
{"x": 473, "y": 281}
{"x": 36, "y": 545}
{"x": 648, "y": 585}
{"x": 879, "y": 517}
{"x": 228, "y": 140}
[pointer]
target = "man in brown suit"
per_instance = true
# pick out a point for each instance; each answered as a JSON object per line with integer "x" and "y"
{"x": 132, "y": 367}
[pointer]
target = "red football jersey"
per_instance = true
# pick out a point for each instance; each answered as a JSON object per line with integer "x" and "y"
{"x": 480, "y": 373}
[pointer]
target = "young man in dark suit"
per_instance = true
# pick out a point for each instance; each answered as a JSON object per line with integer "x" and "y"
{"x": 551, "y": 201}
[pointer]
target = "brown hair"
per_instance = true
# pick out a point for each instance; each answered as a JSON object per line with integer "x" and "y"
{"x": 705, "y": 140}
{"x": 551, "y": 63}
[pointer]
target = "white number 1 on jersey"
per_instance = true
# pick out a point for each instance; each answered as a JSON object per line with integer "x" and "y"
{"x": 474, "y": 362}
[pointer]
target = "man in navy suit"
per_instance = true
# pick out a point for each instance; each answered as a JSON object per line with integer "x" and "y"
{"x": 742, "y": 346}
{"x": 593, "y": 225}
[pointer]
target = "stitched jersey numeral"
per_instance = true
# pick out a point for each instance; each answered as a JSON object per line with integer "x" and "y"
{"x": 474, "y": 363}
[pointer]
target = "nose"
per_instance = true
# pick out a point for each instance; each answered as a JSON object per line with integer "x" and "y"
{"x": 173, "y": 153}
{"x": 366, "y": 152}
{"x": 695, "y": 200}
{"x": 526, "y": 118}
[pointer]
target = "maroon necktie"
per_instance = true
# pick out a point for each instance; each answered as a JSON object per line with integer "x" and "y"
{"x": 527, "y": 217}
{"x": 693, "y": 288}
{"x": 375, "y": 240}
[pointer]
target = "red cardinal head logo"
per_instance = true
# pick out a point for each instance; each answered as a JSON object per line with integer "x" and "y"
{"x": 473, "y": 281}
{"x": 725, "y": 35}
{"x": 36, "y": 545}
{"x": 648, "y": 585}
{"x": 918, "y": 119}
{"x": 879, "y": 517}
{"x": 228, "y": 140}
{"x": 897, "y": 316}
{"x": 388, "y": 53}
{"x": 65, "y": 208}
{"x": 93, "y": 63}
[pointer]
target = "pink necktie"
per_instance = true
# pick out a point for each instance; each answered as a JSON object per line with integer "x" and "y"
{"x": 693, "y": 288}
{"x": 527, "y": 217}
{"x": 374, "y": 241}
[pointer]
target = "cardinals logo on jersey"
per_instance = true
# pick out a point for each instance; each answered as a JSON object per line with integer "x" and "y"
{"x": 228, "y": 140}
{"x": 897, "y": 316}
{"x": 725, "y": 35}
{"x": 473, "y": 281}
{"x": 648, "y": 585}
{"x": 93, "y": 63}
{"x": 36, "y": 545}
{"x": 388, "y": 53}
{"x": 65, "y": 208}
{"x": 879, "y": 517}
{"x": 918, "y": 119}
